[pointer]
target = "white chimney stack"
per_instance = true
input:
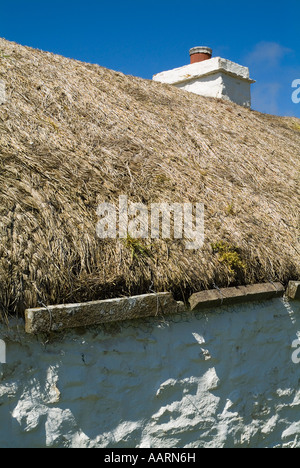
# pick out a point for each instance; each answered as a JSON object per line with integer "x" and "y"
{"x": 212, "y": 77}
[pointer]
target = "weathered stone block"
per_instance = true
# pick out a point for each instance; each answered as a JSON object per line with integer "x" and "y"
{"x": 227, "y": 296}
{"x": 293, "y": 290}
{"x": 60, "y": 317}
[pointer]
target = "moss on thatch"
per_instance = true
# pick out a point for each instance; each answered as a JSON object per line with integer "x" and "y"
{"x": 73, "y": 135}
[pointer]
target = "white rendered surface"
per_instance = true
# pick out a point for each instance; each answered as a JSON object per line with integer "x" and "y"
{"x": 216, "y": 77}
{"x": 217, "y": 378}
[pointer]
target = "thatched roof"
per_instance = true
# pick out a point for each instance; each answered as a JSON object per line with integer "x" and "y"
{"x": 74, "y": 135}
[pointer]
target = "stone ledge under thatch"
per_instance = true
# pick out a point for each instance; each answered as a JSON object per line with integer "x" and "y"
{"x": 61, "y": 317}
{"x": 228, "y": 296}
{"x": 293, "y": 290}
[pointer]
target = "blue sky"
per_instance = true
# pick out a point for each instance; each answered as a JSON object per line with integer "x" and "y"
{"x": 142, "y": 38}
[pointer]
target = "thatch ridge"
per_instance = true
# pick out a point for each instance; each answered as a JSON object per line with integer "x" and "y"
{"x": 73, "y": 135}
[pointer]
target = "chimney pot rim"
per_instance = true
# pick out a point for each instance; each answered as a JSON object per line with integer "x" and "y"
{"x": 201, "y": 50}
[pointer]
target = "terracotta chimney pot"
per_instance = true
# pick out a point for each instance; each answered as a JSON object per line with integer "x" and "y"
{"x": 199, "y": 54}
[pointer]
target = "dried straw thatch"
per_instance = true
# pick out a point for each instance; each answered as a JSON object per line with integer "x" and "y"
{"x": 74, "y": 135}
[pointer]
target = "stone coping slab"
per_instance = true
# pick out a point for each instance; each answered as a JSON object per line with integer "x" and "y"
{"x": 201, "y": 69}
{"x": 293, "y": 290}
{"x": 228, "y": 296}
{"x": 61, "y": 317}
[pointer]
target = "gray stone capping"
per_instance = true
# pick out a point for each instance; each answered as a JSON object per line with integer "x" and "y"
{"x": 293, "y": 290}
{"x": 61, "y": 317}
{"x": 239, "y": 294}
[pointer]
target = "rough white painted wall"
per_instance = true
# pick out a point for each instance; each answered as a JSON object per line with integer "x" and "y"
{"x": 208, "y": 86}
{"x": 217, "y": 77}
{"x": 236, "y": 90}
{"x": 221, "y": 379}
{"x": 201, "y": 69}
{"x": 220, "y": 85}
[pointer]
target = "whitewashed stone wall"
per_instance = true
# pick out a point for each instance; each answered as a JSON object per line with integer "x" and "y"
{"x": 224, "y": 378}
{"x": 216, "y": 77}
{"x": 221, "y": 86}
